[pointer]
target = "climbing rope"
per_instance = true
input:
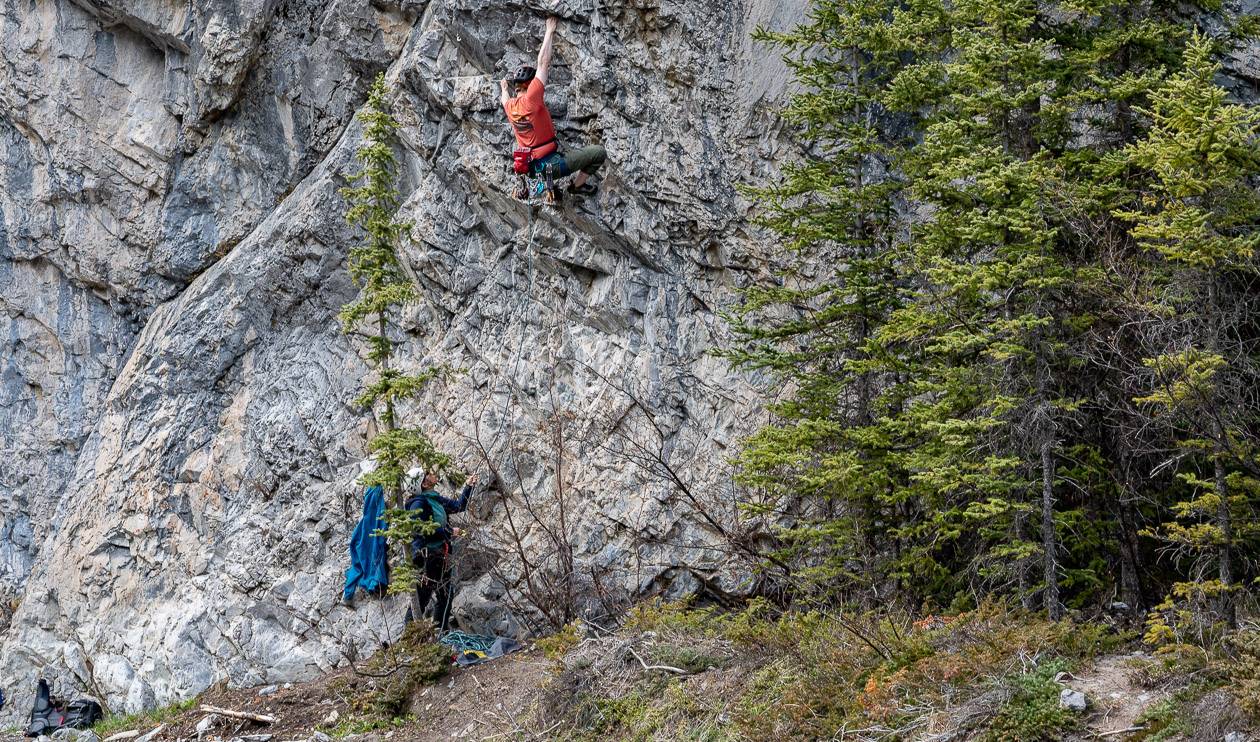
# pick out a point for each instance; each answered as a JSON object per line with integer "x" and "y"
{"x": 520, "y": 312}
{"x": 463, "y": 642}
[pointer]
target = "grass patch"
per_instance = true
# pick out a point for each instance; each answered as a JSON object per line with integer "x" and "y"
{"x": 143, "y": 721}
{"x": 664, "y": 709}
{"x": 1163, "y": 721}
{"x": 366, "y": 724}
{"x": 1174, "y": 717}
{"x": 691, "y": 659}
{"x": 1170, "y": 665}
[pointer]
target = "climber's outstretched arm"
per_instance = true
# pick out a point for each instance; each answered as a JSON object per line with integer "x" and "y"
{"x": 504, "y": 95}
{"x": 544, "y": 53}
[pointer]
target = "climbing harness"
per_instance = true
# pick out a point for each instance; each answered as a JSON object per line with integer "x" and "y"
{"x": 539, "y": 187}
{"x": 523, "y": 157}
{"x": 535, "y": 185}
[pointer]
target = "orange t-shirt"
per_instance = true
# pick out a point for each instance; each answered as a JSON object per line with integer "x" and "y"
{"x": 531, "y": 120}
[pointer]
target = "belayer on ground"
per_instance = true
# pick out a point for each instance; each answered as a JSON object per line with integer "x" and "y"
{"x": 538, "y": 153}
{"x": 430, "y": 553}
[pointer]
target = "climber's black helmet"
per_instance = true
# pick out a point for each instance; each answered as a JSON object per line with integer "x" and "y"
{"x": 523, "y": 75}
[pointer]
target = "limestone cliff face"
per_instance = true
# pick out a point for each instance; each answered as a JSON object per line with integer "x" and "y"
{"x": 178, "y": 443}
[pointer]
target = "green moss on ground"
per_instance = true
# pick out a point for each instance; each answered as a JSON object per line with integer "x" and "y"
{"x": 365, "y": 724}
{"x": 144, "y": 720}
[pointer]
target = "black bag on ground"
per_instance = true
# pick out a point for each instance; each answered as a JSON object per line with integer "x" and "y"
{"x": 83, "y": 713}
{"x": 47, "y": 716}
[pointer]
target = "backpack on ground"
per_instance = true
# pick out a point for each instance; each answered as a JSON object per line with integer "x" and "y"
{"x": 48, "y": 714}
{"x": 83, "y": 713}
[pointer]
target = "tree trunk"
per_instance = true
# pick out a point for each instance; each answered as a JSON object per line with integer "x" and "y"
{"x": 1024, "y": 567}
{"x": 1225, "y": 604}
{"x": 1130, "y": 577}
{"x": 1127, "y": 520}
{"x": 396, "y": 496}
{"x": 1049, "y": 538}
{"x": 1049, "y": 541}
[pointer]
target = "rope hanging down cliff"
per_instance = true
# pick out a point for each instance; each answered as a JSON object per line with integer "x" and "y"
{"x": 522, "y": 305}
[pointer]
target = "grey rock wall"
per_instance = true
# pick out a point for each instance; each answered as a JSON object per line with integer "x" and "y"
{"x": 178, "y": 443}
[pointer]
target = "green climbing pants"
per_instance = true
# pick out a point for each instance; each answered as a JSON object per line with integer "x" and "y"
{"x": 588, "y": 159}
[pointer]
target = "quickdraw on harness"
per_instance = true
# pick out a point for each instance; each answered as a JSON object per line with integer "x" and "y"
{"x": 532, "y": 182}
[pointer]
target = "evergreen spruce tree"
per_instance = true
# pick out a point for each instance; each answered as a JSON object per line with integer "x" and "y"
{"x": 384, "y": 291}
{"x": 1200, "y": 215}
{"x": 837, "y": 281}
{"x": 993, "y": 316}
{"x": 1115, "y": 55}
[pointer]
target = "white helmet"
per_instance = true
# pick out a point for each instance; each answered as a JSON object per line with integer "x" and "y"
{"x": 414, "y": 479}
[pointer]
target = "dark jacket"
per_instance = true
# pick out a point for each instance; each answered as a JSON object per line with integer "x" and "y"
{"x": 420, "y": 503}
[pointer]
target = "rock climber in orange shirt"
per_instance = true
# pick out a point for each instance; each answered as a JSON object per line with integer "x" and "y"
{"x": 531, "y": 121}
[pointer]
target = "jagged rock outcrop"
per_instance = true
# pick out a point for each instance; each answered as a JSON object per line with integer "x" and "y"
{"x": 178, "y": 442}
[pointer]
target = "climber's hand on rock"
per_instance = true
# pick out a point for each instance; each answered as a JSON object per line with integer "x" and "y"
{"x": 471, "y": 481}
{"x": 552, "y": 23}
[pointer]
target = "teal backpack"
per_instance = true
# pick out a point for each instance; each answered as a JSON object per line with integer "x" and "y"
{"x": 439, "y": 517}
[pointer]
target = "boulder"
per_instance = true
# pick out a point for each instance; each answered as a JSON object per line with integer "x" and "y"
{"x": 1073, "y": 700}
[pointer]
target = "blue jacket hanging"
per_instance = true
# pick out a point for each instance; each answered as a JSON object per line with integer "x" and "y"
{"x": 369, "y": 568}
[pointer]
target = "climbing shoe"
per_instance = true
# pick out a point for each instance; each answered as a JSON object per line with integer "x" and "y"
{"x": 586, "y": 189}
